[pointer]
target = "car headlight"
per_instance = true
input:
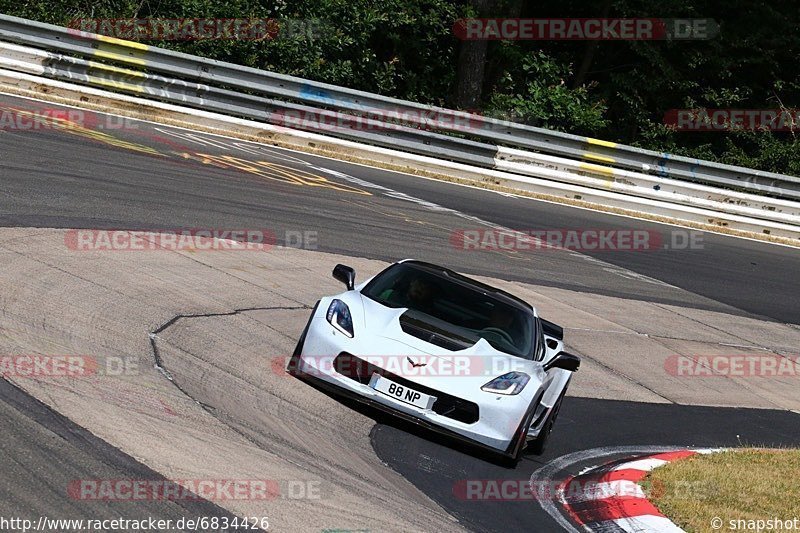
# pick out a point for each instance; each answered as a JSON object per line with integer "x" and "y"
{"x": 510, "y": 383}
{"x": 339, "y": 317}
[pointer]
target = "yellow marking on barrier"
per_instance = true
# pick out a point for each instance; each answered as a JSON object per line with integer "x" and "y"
{"x": 131, "y": 85}
{"x": 600, "y": 142}
{"x": 114, "y": 84}
{"x": 94, "y": 65}
{"x": 121, "y": 42}
{"x": 600, "y": 169}
{"x": 110, "y": 53}
{"x": 598, "y": 157}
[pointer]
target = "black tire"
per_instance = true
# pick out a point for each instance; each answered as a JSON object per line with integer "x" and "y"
{"x": 293, "y": 367}
{"x": 519, "y": 445}
{"x": 539, "y": 444}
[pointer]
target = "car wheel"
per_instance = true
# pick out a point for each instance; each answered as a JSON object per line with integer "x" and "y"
{"x": 539, "y": 444}
{"x": 519, "y": 444}
{"x": 293, "y": 367}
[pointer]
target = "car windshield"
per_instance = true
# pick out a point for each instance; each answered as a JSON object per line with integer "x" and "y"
{"x": 463, "y": 312}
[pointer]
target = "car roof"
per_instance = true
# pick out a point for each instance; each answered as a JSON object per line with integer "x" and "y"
{"x": 452, "y": 274}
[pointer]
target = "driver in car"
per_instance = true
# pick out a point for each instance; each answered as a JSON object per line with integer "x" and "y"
{"x": 420, "y": 296}
{"x": 502, "y": 323}
{"x": 501, "y": 318}
{"x": 417, "y": 294}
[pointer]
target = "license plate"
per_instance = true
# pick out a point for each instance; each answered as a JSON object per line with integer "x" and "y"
{"x": 401, "y": 392}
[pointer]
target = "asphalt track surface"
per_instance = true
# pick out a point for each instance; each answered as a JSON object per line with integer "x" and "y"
{"x": 74, "y": 181}
{"x": 43, "y": 452}
{"x": 164, "y": 180}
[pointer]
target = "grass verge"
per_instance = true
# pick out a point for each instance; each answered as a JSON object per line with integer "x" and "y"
{"x": 751, "y": 486}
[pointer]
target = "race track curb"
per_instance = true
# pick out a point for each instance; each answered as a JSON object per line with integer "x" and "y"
{"x": 609, "y": 499}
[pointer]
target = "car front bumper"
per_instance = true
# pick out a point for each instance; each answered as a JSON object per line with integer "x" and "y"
{"x": 498, "y": 421}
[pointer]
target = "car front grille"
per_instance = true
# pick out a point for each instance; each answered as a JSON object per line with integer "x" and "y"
{"x": 447, "y": 405}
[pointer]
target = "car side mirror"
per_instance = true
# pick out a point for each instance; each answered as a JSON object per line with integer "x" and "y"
{"x": 564, "y": 361}
{"x": 346, "y": 275}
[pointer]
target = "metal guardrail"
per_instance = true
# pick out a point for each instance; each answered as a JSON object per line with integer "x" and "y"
{"x": 23, "y": 68}
{"x": 287, "y": 114}
{"x": 267, "y": 96}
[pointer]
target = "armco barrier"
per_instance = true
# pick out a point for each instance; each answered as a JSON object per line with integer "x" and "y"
{"x": 133, "y": 68}
{"x": 325, "y": 96}
{"x": 549, "y": 186}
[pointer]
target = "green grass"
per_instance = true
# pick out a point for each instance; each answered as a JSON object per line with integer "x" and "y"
{"x": 742, "y": 484}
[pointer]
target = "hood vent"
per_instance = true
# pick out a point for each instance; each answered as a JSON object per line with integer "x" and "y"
{"x": 428, "y": 336}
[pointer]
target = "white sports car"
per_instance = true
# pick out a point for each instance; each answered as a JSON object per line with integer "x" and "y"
{"x": 442, "y": 350}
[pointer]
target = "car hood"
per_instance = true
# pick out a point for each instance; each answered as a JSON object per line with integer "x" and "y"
{"x": 386, "y": 335}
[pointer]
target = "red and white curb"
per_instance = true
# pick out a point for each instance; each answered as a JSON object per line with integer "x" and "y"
{"x": 608, "y": 498}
